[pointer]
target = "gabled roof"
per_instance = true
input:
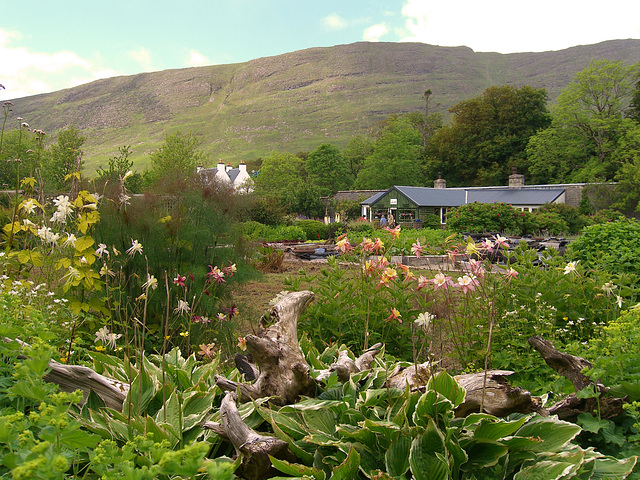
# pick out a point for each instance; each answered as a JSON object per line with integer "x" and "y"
{"x": 514, "y": 196}
{"x": 432, "y": 197}
{"x": 454, "y": 197}
{"x": 233, "y": 173}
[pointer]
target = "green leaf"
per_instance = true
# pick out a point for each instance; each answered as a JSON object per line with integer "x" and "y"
{"x": 347, "y": 469}
{"x": 140, "y": 394}
{"x": 483, "y": 453}
{"x": 553, "y": 434}
{"x": 445, "y": 384}
{"x": 545, "y": 470}
{"x": 591, "y": 424}
{"x": 295, "y": 468}
{"x": 83, "y": 243}
{"x": 497, "y": 429}
{"x": 611, "y": 468}
{"x": 171, "y": 414}
{"x": 426, "y": 456}
{"x": 396, "y": 458}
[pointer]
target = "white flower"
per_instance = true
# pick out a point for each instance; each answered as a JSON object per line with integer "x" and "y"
{"x": 123, "y": 198}
{"x": 127, "y": 175}
{"x": 72, "y": 274}
{"x": 424, "y": 320}
{"x": 65, "y": 208}
{"x": 570, "y": 267}
{"x": 101, "y": 334}
{"x": 152, "y": 282}
{"x": 136, "y": 247}
{"x": 619, "y": 301}
{"x": 107, "y": 338}
{"x": 29, "y": 206}
{"x": 104, "y": 271}
{"x": 183, "y": 307}
{"x": 101, "y": 250}
{"x": 608, "y": 288}
{"x": 70, "y": 241}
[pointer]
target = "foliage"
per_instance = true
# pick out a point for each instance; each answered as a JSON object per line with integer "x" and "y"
{"x": 610, "y": 247}
{"x": 356, "y": 152}
{"x": 487, "y": 136}
{"x": 485, "y": 217}
{"x": 268, "y": 233}
{"x": 575, "y": 221}
{"x": 313, "y": 229}
{"x": 544, "y": 223}
{"x": 281, "y": 174}
{"x": 589, "y": 121}
{"x": 174, "y": 162}
{"x": 359, "y": 429}
{"x": 120, "y": 167}
{"x": 328, "y": 169}
{"x": 64, "y": 158}
{"x": 394, "y": 157}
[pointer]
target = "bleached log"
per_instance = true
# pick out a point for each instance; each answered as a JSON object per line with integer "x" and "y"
{"x": 344, "y": 366}
{"x": 283, "y": 370}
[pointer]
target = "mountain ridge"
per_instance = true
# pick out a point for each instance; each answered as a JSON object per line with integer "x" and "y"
{"x": 294, "y": 101}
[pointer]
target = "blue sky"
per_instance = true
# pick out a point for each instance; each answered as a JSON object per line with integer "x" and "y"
{"x": 46, "y": 45}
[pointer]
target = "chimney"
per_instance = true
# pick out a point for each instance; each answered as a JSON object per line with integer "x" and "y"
{"x": 199, "y": 168}
{"x": 229, "y": 167}
{"x": 440, "y": 182}
{"x": 220, "y": 166}
{"x": 516, "y": 180}
{"x": 242, "y": 166}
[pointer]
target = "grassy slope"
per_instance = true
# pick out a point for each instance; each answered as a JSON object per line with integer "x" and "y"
{"x": 293, "y": 101}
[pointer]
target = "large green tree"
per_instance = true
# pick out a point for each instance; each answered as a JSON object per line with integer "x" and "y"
{"x": 175, "y": 161}
{"x": 590, "y": 118}
{"x": 487, "y": 136}
{"x": 64, "y": 159}
{"x": 356, "y": 151}
{"x": 395, "y": 159}
{"x": 328, "y": 169}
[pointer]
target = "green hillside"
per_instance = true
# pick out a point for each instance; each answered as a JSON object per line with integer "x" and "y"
{"x": 294, "y": 101}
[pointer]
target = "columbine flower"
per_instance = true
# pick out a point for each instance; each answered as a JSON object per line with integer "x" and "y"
{"x": 388, "y": 275}
{"x": 368, "y": 268}
{"x": 101, "y": 335}
{"x": 471, "y": 247}
{"x": 343, "y": 245}
{"x": 70, "y": 241}
{"x": 107, "y": 338}
{"x": 206, "y": 351}
{"x": 232, "y": 311}
{"x": 424, "y": 320}
{"x": 608, "y": 288}
{"x": 230, "y": 270}
{"x": 395, "y": 315}
{"x": 570, "y": 267}
{"x": 619, "y": 301}
{"x": 104, "y": 271}
{"x": 179, "y": 280}
{"x": 183, "y": 307}
{"x": 466, "y": 283}
{"x": 242, "y": 343}
{"x": 477, "y": 267}
{"x": 221, "y": 317}
{"x": 72, "y": 274}
{"x": 395, "y": 232}
{"x": 29, "y": 206}
{"x": 511, "y": 273}
{"x": 488, "y": 245}
{"x": 501, "y": 242}
{"x": 152, "y": 282}
{"x": 101, "y": 250}
{"x": 216, "y": 275}
{"x": 422, "y": 282}
{"x": 416, "y": 248}
{"x": 136, "y": 247}
{"x": 441, "y": 281}
{"x": 63, "y": 205}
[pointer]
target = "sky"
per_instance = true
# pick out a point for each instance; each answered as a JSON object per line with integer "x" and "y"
{"x": 46, "y": 46}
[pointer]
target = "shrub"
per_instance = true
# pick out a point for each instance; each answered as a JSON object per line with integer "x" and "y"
{"x": 291, "y": 232}
{"x": 609, "y": 246}
{"x": 254, "y": 230}
{"x": 314, "y": 229}
{"x": 545, "y": 223}
{"x": 574, "y": 219}
{"x": 485, "y": 217}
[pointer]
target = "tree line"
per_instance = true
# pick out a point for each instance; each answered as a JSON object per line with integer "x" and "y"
{"x": 590, "y": 134}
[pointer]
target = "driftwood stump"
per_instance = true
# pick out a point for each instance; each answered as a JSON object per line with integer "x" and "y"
{"x": 283, "y": 372}
{"x": 573, "y": 367}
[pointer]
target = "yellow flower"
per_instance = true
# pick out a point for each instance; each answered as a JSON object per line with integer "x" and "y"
{"x": 184, "y": 334}
{"x": 100, "y": 348}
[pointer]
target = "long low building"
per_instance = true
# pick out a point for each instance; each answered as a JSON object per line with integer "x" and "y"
{"x": 411, "y": 204}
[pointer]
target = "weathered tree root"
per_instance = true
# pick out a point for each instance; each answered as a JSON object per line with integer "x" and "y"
{"x": 283, "y": 370}
{"x": 345, "y": 366}
{"x": 572, "y": 367}
{"x": 75, "y": 377}
{"x": 254, "y": 447}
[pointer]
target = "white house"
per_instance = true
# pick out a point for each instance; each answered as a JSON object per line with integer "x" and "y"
{"x": 238, "y": 178}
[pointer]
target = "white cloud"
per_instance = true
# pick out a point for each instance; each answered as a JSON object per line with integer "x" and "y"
{"x": 25, "y": 72}
{"x": 505, "y": 26}
{"x": 197, "y": 59}
{"x": 334, "y": 22}
{"x": 375, "y": 32}
{"x": 143, "y": 57}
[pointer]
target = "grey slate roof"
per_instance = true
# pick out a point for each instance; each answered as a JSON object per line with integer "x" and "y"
{"x": 454, "y": 197}
{"x": 520, "y": 196}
